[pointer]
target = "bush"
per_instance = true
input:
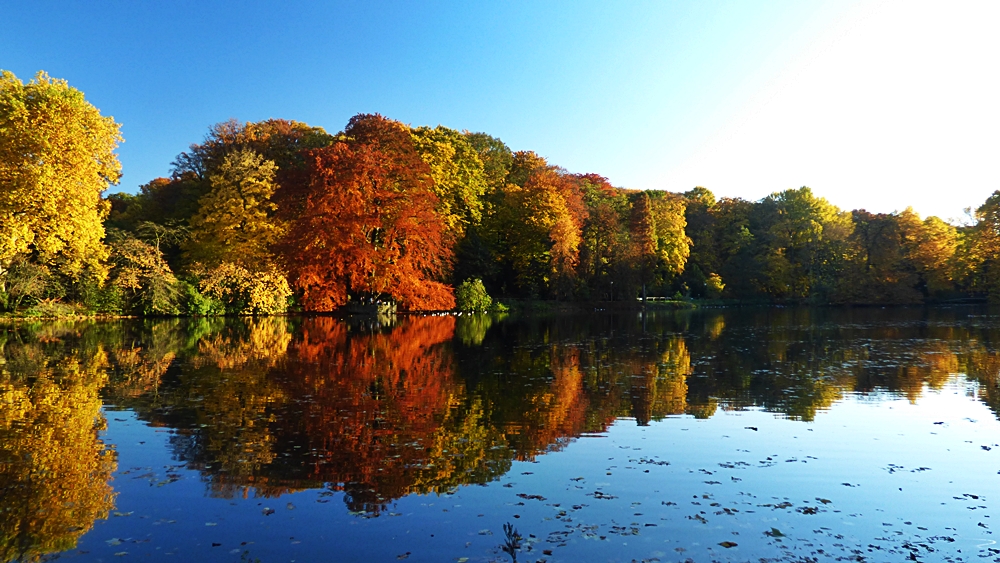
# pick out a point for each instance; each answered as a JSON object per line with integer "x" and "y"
{"x": 242, "y": 292}
{"x": 142, "y": 278}
{"x": 27, "y": 283}
{"x": 195, "y": 303}
{"x": 471, "y": 296}
{"x": 51, "y": 308}
{"x": 714, "y": 286}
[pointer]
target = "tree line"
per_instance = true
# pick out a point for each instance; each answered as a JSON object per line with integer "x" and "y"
{"x": 277, "y": 215}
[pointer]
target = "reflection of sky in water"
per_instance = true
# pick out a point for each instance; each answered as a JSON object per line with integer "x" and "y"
{"x": 875, "y": 470}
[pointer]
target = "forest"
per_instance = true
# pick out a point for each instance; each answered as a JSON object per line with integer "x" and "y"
{"x": 278, "y": 216}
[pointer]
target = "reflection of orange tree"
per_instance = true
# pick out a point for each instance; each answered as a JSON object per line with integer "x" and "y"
{"x": 54, "y": 471}
{"x": 385, "y": 415}
{"x": 552, "y": 406}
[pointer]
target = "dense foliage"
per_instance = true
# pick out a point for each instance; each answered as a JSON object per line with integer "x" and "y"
{"x": 262, "y": 217}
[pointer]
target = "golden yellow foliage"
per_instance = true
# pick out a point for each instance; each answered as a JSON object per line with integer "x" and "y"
{"x": 56, "y": 157}
{"x": 235, "y": 221}
{"x": 54, "y": 469}
{"x": 457, "y": 170}
{"x": 248, "y": 292}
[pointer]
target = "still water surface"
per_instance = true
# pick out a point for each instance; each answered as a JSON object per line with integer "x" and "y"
{"x": 716, "y": 435}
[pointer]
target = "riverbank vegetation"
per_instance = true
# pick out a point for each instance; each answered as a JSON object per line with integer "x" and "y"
{"x": 277, "y": 215}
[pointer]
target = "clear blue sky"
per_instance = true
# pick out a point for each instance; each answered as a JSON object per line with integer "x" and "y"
{"x": 745, "y": 98}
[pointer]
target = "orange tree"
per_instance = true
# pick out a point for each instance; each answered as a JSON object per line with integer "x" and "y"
{"x": 368, "y": 226}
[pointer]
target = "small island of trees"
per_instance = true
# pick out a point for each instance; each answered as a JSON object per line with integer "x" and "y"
{"x": 275, "y": 216}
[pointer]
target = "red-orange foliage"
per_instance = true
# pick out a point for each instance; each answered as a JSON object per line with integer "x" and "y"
{"x": 368, "y": 225}
{"x": 376, "y": 403}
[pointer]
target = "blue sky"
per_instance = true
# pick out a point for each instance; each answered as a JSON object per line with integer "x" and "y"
{"x": 877, "y": 105}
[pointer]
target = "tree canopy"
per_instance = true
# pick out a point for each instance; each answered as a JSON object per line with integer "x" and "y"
{"x": 262, "y": 216}
{"x": 56, "y": 158}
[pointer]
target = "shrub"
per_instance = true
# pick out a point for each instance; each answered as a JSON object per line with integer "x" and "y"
{"x": 243, "y": 292}
{"x": 714, "y": 286}
{"x": 143, "y": 278}
{"x": 471, "y": 296}
{"x": 195, "y": 303}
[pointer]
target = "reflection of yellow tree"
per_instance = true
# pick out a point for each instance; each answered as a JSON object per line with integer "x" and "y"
{"x": 935, "y": 364}
{"x": 714, "y": 326}
{"x": 984, "y": 367}
{"x": 550, "y": 414}
{"x": 54, "y": 471}
{"x": 658, "y": 382}
{"x": 265, "y": 340}
{"x": 465, "y": 449}
{"x": 230, "y": 380}
{"x": 138, "y": 370}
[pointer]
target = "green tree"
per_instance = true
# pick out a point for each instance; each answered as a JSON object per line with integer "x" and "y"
{"x": 56, "y": 157}
{"x": 471, "y": 296}
{"x": 802, "y": 242}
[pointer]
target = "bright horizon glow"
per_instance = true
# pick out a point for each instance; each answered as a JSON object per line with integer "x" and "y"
{"x": 875, "y": 105}
{"x": 895, "y": 105}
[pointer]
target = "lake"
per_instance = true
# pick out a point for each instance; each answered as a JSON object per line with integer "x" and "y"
{"x": 776, "y": 434}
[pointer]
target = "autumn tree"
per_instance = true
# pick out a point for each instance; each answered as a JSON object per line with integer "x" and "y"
{"x": 369, "y": 226}
{"x": 458, "y": 174}
{"x": 802, "y": 238}
{"x": 143, "y": 280}
{"x": 877, "y": 272}
{"x": 232, "y": 235}
{"x": 277, "y": 140}
{"x": 673, "y": 247}
{"x": 605, "y": 238}
{"x": 170, "y": 204}
{"x": 236, "y": 219}
{"x": 56, "y": 157}
{"x": 642, "y": 228}
{"x": 929, "y": 246}
{"x": 540, "y": 220}
{"x": 898, "y": 258}
{"x": 985, "y": 247}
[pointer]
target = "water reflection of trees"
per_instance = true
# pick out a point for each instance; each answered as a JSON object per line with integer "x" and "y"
{"x": 266, "y": 406}
{"x": 263, "y": 406}
{"x": 54, "y": 470}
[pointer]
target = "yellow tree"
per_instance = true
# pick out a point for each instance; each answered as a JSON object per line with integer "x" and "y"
{"x": 232, "y": 234}
{"x": 235, "y": 220}
{"x": 458, "y": 174}
{"x": 543, "y": 222}
{"x": 985, "y": 247}
{"x": 56, "y": 157}
{"x": 929, "y": 247}
{"x": 672, "y": 243}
